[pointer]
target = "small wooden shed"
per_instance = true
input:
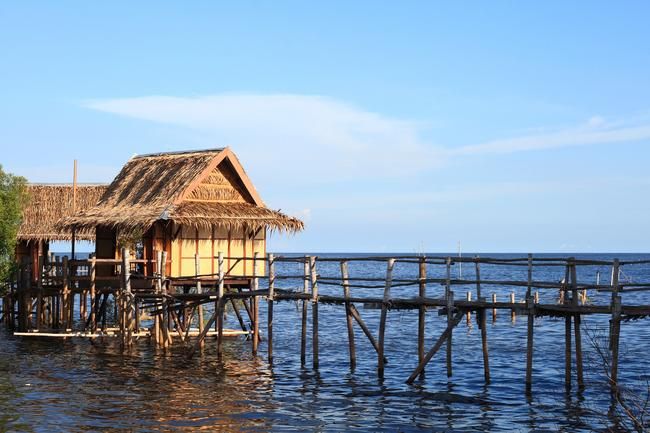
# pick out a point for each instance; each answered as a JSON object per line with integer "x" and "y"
{"x": 187, "y": 204}
{"x": 47, "y": 204}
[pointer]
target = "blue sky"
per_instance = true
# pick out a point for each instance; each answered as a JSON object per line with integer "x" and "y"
{"x": 386, "y": 126}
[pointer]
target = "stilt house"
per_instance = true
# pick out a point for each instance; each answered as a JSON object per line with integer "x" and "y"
{"x": 189, "y": 204}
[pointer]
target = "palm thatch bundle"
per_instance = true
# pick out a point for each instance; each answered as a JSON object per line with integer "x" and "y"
{"x": 198, "y": 189}
{"x": 47, "y": 204}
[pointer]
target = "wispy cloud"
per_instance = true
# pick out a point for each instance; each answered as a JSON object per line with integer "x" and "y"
{"x": 320, "y": 139}
{"x": 324, "y": 139}
{"x": 595, "y": 131}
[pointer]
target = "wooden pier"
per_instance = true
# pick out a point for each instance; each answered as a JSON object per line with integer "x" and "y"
{"x": 128, "y": 304}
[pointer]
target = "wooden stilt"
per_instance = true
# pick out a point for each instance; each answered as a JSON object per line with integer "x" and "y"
{"x": 66, "y": 296}
{"x": 199, "y": 290}
{"x": 450, "y": 308}
{"x": 271, "y": 296}
{"x": 422, "y": 292}
{"x": 494, "y": 310}
{"x": 615, "y": 325}
{"x": 314, "y": 311}
{"x": 93, "y": 293}
{"x": 348, "y": 313}
{"x": 484, "y": 342}
{"x": 303, "y": 329}
{"x": 384, "y": 313}
{"x": 39, "y": 299}
{"x": 443, "y": 337}
{"x": 365, "y": 329}
{"x": 220, "y": 306}
{"x": 530, "y": 306}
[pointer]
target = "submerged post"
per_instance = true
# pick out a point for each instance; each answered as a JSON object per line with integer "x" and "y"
{"x": 450, "y": 304}
{"x": 530, "y": 307}
{"x": 384, "y": 312}
{"x": 615, "y": 325}
{"x": 422, "y": 274}
{"x": 348, "y": 312}
{"x": 314, "y": 312}
{"x": 93, "y": 293}
{"x": 220, "y": 306}
{"x": 271, "y": 295}
{"x": 303, "y": 329}
{"x": 199, "y": 290}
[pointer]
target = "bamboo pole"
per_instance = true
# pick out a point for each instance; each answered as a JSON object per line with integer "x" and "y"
{"x": 530, "y": 306}
{"x": 390, "y": 264}
{"x": 450, "y": 303}
{"x": 93, "y": 293}
{"x": 303, "y": 329}
{"x": 39, "y": 299}
{"x": 615, "y": 326}
{"x": 348, "y": 313}
{"x": 66, "y": 297}
{"x": 220, "y": 307}
{"x": 443, "y": 337}
{"x": 484, "y": 342}
{"x": 314, "y": 311}
{"x": 567, "y": 335}
{"x": 422, "y": 292}
{"x": 271, "y": 297}
{"x": 576, "y": 329}
{"x": 199, "y": 290}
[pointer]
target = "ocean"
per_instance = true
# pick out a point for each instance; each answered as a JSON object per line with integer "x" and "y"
{"x": 77, "y": 385}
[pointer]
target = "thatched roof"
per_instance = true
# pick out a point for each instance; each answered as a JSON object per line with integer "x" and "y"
{"x": 198, "y": 188}
{"x": 48, "y": 203}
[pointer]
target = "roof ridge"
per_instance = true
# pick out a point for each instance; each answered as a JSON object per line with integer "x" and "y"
{"x": 179, "y": 153}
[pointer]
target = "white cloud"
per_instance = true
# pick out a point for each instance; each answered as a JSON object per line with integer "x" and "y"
{"x": 595, "y": 131}
{"x": 297, "y": 137}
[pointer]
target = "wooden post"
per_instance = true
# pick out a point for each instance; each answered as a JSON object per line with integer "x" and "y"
{"x": 484, "y": 342}
{"x": 270, "y": 302}
{"x": 513, "y": 314}
{"x": 469, "y": 314}
{"x": 422, "y": 274}
{"x": 444, "y": 336}
{"x": 126, "y": 300}
{"x": 494, "y": 310}
{"x": 450, "y": 303}
{"x": 530, "y": 306}
{"x": 156, "y": 320}
{"x": 39, "y": 299}
{"x": 384, "y": 312}
{"x": 477, "y": 266}
{"x": 567, "y": 333}
{"x": 348, "y": 313}
{"x": 93, "y": 293}
{"x": 537, "y": 296}
{"x": 615, "y": 326}
{"x": 254, "y": 305}
{"x": 303, "y": 330}
{"x": 66, "y": 296}
{"x": 450, "y": 326}
{"x": 164, "y": 316}
{"x": 220, "y": 307}
{"x": 576, "y": 329}
{"x": 199, "y": 290}
{"x": 314, "y": 311}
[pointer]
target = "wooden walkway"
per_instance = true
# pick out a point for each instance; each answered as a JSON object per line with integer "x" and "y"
{"x": 128, "y": 305}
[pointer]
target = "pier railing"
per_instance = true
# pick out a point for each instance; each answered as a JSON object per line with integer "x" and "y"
{"x": 456, "y": 286}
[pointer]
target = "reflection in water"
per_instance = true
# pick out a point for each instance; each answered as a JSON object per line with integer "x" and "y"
{"x": 48, "y": 385}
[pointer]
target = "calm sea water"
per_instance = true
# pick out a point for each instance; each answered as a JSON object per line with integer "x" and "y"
{"x": 53, "y": 385}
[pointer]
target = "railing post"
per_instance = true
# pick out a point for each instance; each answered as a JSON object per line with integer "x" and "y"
{"x": 384, "y": 313}
{"x": 422, "y": 293}
{"x": 314, "y": 312}
{"x": 199, "y": 290}
{"x": 348, "y": 313}
{"x": 271, "y": 297}
{"x": 220, "y": 303}
{"x": 93, "y": 293}
{"x": 303, "y": 329}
